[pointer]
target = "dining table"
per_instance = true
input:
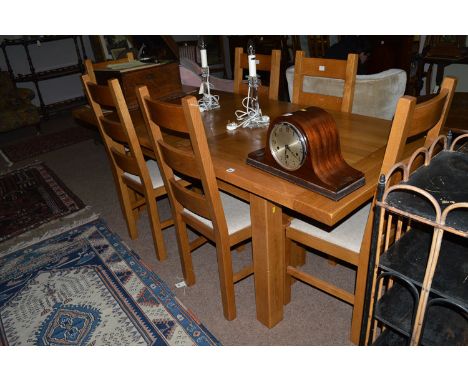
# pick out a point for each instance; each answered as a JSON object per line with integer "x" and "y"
{"x": 363, "y": 141}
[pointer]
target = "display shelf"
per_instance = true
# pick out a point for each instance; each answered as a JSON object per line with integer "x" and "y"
{"x": 391, "y": 338}
{"x": 28, "y": 40}
{"x": 36, "y": 76}
{"x": 395, "y": 309}
{"x": 49, "y": 74}
{"x": 419, "y": 274}
{"x": 446, "y": 180}
{"x": 408, "y": 257}
{"x": 57, "y": 107}
{"x": 445, "y": 324}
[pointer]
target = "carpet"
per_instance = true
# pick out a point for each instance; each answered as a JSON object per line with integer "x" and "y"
{"x": 31, "y": 196}
{"x": 86, "y": 287}
{"x": 41, "y": 144}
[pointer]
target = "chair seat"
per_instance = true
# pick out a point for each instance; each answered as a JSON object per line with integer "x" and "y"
{"x": 236, "y": 211}
{"x": 154, "y": 172}
{"x": 348, "y": 234}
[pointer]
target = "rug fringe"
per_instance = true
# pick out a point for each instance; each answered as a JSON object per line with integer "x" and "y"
{"x": 8, "y": 162}
{"x": 48, "y": 230}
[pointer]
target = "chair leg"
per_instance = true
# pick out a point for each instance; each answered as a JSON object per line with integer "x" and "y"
{"x": 288, "y": 280}
{"x": 127, "y": 210}
{"x": 294, "y": 256}
{"x": 226, "y": 280}
{"x": 184, "y": 250}
{"x": 156, "y": 229}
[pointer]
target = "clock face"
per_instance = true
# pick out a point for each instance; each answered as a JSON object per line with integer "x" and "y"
{"x": 288, "y": 146}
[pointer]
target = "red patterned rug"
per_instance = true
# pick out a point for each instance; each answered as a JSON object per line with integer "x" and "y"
{"x": 41, "y": 144}
{"x": 31, "y": 196}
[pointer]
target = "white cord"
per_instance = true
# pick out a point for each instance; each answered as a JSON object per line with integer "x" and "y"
{"x": 252, "y": 113}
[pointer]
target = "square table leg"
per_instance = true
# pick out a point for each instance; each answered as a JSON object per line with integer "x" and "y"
{"x": 268, "y": 259}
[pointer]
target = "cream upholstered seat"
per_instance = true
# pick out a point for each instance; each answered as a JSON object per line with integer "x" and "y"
{"x": 154, "y": 173}
{"x": 348, "y": 234}
{"x": 237, "y": 214}
{"x": 349, "y": 241}
{"x": 215, "y": 215}
{"x": 375, "y": 95}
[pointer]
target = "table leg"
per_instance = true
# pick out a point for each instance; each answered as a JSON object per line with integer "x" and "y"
{"x": 268, "y": 253}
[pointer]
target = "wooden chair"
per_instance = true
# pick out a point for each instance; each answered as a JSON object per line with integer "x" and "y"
{"x": 265, "y": 63}
{"x": 330, "y": 68}
{"x": 138, "y": 182}
{"x": 349, "y": 241}
{"x": 83, "y": 113}
{"x": 217, "y": 216}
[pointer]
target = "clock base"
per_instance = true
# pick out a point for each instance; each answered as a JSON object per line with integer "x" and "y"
{"x": 342, "y": 187}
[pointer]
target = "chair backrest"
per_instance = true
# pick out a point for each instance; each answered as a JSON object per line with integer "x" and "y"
{"x": 193, "y": 161}
{"x": 265, "y": 63}
{"x": 117, "y": 133}
{"x": 375, "y": 95}
{"x": 90, "y": 66}
{"x": 329, "y": 68}
{"x": 412, "y": 119}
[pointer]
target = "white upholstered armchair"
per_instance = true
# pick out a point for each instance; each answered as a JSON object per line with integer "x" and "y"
{"x": 376, "y": 95}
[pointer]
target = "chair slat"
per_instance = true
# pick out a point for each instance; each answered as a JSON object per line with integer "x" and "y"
{"x": 167, "y": 115}
{"x": 322, "y": 67}
{"x": 264, "y": 61}
{"x": 191, "y": 200}
{"x": 114, "y": 130}
{"x": 101, "y": 95}
{"x": 126, "y": 163}
{"x": 179, "y": 160}
{"x": 427, "y": 114}
{"x": 325, "y": 101}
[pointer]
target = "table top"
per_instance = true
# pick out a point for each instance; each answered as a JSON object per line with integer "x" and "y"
{"x": 363, "y": 140}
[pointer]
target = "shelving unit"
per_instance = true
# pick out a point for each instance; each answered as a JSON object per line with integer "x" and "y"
{"x": 36, "y": 76}
{"x": 418, "y": 274}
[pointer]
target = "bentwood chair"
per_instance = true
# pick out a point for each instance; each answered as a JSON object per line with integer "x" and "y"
{"x": 265, "y": 63}
{"x": 138, "y": 182}
{"x": 328, "y": 68}
{"x": 217, "y": 216}
{"x": 349, "y": 241}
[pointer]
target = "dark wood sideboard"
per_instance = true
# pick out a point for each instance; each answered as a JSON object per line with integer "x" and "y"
{"x": 161, "y": 80}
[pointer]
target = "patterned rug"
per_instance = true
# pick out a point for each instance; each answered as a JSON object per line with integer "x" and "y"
{"x": 85, "y": 287}
{"x": 31, "y": 196}
{"x": 41, "y": 144}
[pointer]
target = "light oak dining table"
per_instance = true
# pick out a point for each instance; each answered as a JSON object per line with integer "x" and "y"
{"x": 363, "y": 140}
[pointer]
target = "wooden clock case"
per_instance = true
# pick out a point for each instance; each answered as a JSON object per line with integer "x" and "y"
{"x": 324, "y": 169}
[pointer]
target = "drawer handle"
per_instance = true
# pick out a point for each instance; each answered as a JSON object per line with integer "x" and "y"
{"x": 149, "y": 77}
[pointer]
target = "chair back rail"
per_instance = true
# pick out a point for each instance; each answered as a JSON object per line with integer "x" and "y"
{"x": 265, "y": 63}
{"x": 329, "y": 68}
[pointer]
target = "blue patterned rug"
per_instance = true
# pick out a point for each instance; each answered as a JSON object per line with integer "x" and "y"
{"x": 85, "y": 287}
